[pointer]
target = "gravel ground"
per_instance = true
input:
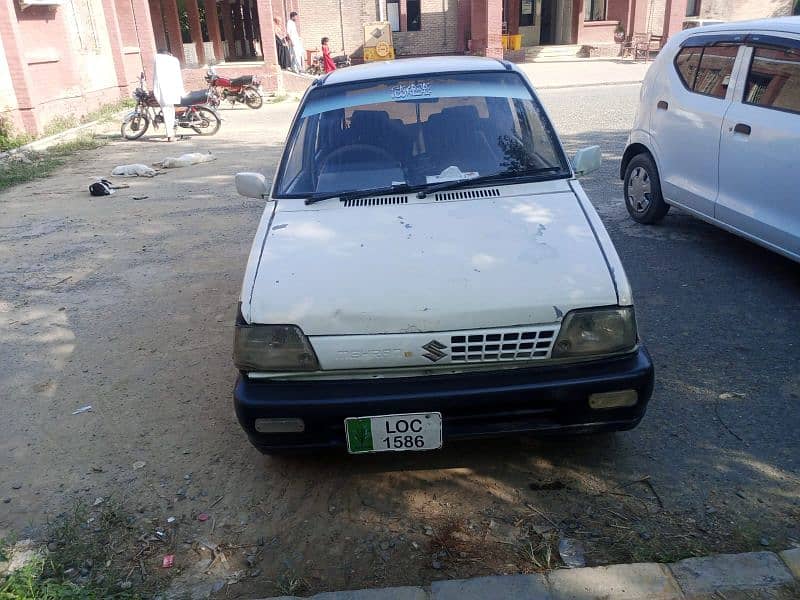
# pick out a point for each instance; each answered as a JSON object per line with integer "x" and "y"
{"x": 127, "y": 305}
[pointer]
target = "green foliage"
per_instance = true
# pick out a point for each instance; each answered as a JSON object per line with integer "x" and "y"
{"x": 86, "y": 538}
{"x": 10, "y": 139}
{"x": 40, "y": 164}
{"x": 8, "y": 136}
{"x": 59, "y": 124}
{"x": 28, "y": 583}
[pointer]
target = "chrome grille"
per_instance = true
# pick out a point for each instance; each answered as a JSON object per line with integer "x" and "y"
{"x": 497, "y": 345}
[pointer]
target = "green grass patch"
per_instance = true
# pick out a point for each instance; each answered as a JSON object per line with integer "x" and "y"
{"x": 33, "y": 165}
{"x": 94, "y": 553}
{"x": 108, "y": 111}
{"x": 10, "y": 139}
{"x": 276, "y": 98}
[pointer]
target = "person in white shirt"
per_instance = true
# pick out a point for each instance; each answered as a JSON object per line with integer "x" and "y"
{"x": 168, "y": 88}
{"x": 298, "y": 52}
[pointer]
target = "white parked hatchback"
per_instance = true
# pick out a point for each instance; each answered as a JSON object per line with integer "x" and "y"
{"x": 717, "y": 132}
{"x": 428, "y": 268}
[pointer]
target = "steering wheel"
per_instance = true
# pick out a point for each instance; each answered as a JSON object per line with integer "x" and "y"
{"x": 367, "y": 149}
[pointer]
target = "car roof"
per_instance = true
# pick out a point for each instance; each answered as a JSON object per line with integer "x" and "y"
{"x": 430, "y": 65}
{"x": 778, "y": 24}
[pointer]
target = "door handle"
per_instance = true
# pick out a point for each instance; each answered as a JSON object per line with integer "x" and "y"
{"x": 742, "y": 128}
{"x": 663, "y": 105}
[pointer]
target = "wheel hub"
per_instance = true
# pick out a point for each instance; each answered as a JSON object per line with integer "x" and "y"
{"x": 639, "y": 190}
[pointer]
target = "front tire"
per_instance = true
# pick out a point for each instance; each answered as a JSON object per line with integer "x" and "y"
{"x": 208, "y": 121}
{"x": 134, "y": 126}
{"x": 643, "y": 197}
{"x": 252, "y": 98}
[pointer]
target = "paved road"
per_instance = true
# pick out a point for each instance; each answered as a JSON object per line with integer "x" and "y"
{"x": 127, "y": 305}
{"x": 720, "y": 317}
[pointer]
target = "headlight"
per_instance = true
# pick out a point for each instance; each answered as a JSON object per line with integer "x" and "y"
{"x": 596, "y": 332}
{"x": 272, "y": 348}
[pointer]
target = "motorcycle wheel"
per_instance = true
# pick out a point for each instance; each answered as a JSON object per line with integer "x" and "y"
{"x": 252, "y": 98}
{"x": 134, "y": 126}
{"x": 207, "y": 122}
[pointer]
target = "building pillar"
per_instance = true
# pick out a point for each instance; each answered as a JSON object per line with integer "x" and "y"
{"x": 512, "y": 16}
{"x": 115, "y": 43}
{"x": 17, "y": 66}
{"x": 227, "y": 28}
{"x": 462, "y": 25}
{"x": 248, "y": 37}
{"x": 238, "y": 27}
{"x": 266, "y": 29}
{"x": 486, "y": 20}
{"x": 145, "y": 34}
{"x": 403, "y": 15}
{"x": 193, "y": 13}
{"x": 674, "y": 14}
{"x": 577, "y": 21}
{"x": 157, "y": 19}
{"x": 172, "y": 24}
{"x": 640, "y": 10}
{"x": 212, "y": 24}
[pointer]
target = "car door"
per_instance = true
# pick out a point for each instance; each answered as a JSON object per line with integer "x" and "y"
{"x": 690, "y": 103}
{"x": 758, "y": 173}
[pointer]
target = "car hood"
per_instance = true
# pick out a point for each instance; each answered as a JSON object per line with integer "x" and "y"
{"x": 429, "y": 265}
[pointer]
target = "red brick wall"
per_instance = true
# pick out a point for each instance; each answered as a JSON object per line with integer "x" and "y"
{"x": 674, "y": 14}
{"x": 597, "y": 32}
{"x": 68, "y": 60}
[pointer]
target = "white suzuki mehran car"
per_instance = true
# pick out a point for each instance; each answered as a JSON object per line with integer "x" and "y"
{"x": 717, "y": 132}
{"x": 428, "y": 268}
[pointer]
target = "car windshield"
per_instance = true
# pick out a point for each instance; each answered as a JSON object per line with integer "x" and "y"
{"x": 417, "y": 132}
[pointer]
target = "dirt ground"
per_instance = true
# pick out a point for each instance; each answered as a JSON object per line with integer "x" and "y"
{"x": 127, "y": 305}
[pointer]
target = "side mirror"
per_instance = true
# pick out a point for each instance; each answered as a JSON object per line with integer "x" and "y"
{"x": 587, "y": 160}
{"x": 251, "y": 185}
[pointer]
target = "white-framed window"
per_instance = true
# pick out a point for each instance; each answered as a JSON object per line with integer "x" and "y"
{"x": 393, "y": 14}
{"x": 693, "y": 8}
{"x": 594, "y": 10}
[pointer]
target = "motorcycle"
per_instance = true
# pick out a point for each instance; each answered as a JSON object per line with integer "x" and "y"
{"x": 317, "y": 68}
{"x": 245, "y": 89}
{"x": 193, "y": 113}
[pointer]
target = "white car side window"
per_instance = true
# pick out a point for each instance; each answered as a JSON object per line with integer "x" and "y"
{"x": 707, "y": 70}
{"x": 774, "y": 79}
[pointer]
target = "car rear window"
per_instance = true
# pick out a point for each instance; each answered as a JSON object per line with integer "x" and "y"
{"x": 686, "y": 63}
{"x": 774, "y": 79}
{"x": 707, "y": 70}
{"x": 415, "y": 131}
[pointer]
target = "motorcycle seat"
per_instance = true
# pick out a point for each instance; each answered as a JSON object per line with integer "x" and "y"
{"x": 197, "y": 97}
{"x": 243, "y": 80}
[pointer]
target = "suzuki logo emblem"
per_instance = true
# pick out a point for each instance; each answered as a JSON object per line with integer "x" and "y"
{"x": 434, "y": 350}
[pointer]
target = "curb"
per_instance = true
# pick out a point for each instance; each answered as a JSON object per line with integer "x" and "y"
{"x": 45, "y": 142}
{"x": 585, "y": 85}
{"x": 691, "y": 578}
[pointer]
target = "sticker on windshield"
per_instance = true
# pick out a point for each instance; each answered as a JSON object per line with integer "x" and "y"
{"x": 451, "y": 173}
{"x": 416, "y": 89}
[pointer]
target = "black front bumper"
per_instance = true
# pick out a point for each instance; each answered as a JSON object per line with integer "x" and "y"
{"x": 538, "y": 399}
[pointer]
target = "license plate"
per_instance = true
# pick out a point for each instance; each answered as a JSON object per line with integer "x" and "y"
{"x": 394, "y": 433}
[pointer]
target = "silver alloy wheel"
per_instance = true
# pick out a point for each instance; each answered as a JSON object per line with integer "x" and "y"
{"x": 639, "y": 197}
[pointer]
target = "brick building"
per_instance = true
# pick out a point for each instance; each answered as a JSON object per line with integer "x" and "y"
{"x": 59, "y": 59}
{"x": 66, "y": 57}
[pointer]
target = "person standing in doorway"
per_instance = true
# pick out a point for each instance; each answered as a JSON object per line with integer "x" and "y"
{"x": 327, "y": 61}
{"x": 298, "y": 51}
{"x": 282, "y": 44}
{"x": 168, "y": 88}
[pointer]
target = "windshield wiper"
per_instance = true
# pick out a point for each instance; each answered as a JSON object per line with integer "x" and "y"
{"x": 352, "y": 194}
{"x": 499, "y": 176}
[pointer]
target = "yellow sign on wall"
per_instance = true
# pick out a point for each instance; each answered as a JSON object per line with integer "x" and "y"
{"x": 378, "y": 41}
